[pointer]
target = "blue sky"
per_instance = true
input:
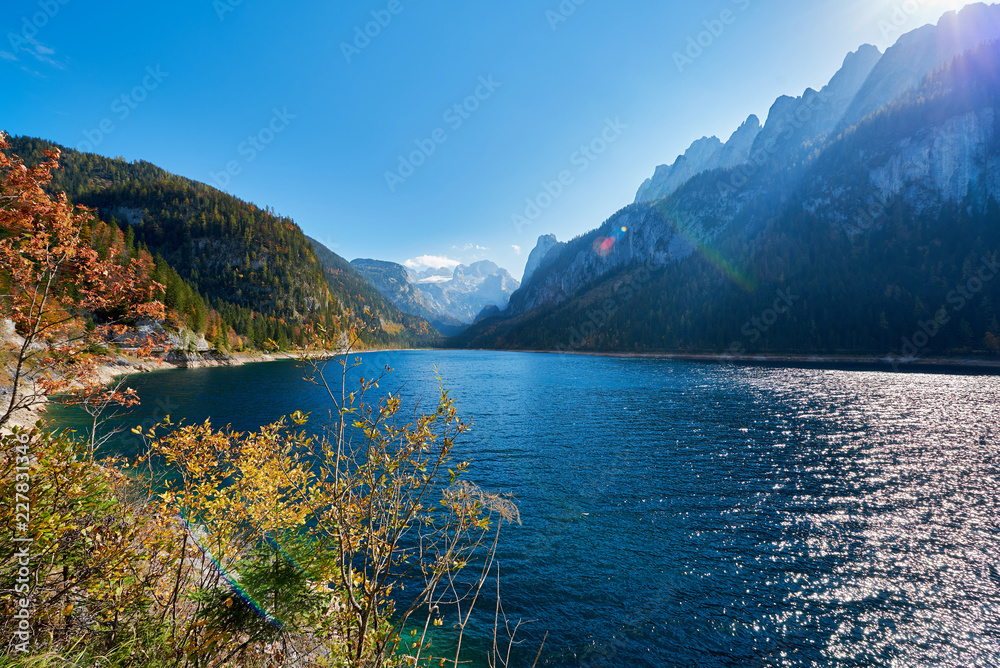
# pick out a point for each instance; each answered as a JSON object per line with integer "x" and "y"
{"x": 408, "y": 130}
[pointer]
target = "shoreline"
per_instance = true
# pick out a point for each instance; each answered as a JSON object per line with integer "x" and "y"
{"x": 895, "y": 364}
{"x": 125, "y": 365}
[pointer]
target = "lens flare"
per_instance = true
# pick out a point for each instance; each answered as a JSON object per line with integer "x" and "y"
{"x": 700, "y": 246}
{"x": 604, "y": 245}
{"x": 233, "y": 584}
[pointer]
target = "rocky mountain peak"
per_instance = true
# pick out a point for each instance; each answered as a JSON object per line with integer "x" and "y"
{"x": 538, "y": 255}
{"x": 736, "y": 151}
{"x": 920, "y": 52}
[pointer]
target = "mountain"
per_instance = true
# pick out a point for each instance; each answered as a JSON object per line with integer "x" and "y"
{"x": 255, "y": 269}
{"x": 791, "y": 124}
{"x": 489, "y": 311}
{"x": 877, "y": 237}
{"x": 409, "y": 328}
{"x": 431, "y": 275}
{"x": 468, "y": 291}
{"x": 543, "y": 248}
{"x": 448, "y": 299}
{"x": 921, "y": 52}
{"x": 667, "y": 178}
{"x": 795, "y": 124}
{"x": 393, "y": 281}
{"x": 737, "y": 150}
{"x": 705, "y": 154}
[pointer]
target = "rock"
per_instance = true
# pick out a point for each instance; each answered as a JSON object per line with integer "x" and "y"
{"x": 919, "y": 53}
{"x": 538, "y": 255}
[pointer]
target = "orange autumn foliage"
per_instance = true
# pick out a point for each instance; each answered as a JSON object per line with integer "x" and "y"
{"x": 51, "y": 281}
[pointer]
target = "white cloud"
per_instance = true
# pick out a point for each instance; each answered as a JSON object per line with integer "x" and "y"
{"x": 469, "y": 247}
{"x": 517, "y": 249}
{"x": 41, "y": 53}
{"x": 432, "y": 261}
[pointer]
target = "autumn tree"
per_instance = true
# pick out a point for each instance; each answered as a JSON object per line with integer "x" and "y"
{"x": 344, "y": 547}
{"x": 59, "y": 298}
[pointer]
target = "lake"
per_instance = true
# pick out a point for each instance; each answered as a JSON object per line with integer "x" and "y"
{"x": 686, "y": 514}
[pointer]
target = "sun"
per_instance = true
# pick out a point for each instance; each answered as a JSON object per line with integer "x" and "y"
{"x": 945, "y": 5}
{"x": 889, "y": 19}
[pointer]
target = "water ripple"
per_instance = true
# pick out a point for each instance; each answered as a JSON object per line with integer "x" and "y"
{"x": 678, "y": 514}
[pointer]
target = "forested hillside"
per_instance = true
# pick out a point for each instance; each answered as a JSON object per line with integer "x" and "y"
{"x": 238, "y": 273}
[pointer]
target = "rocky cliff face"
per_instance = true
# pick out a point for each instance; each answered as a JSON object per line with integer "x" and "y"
{"x": 919, "y": 53}
{"x": 649, "y": 237}
{"x": 791, "y": 124}
{"x": 449, "y": 300}
{"x": 667, "y": 178}
{"x": 545, "y": 245}
{"x": 795, "y": 126}
{"x": 736, "y": 151}
{"x": 393, "y": 281}
{"x": 931, "y": 147}
{"x": 705, "y": 154}
{"x": 952, "y": 160}
{"x": 470, "y": 289}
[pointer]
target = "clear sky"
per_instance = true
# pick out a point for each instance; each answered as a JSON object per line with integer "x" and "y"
{"x": 292, "y": 105}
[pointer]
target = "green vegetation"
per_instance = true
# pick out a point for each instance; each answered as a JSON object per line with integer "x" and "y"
{"x": 251, "y": 549}
{"x": 237, "y": 273}
{"x": 215, "y": 548}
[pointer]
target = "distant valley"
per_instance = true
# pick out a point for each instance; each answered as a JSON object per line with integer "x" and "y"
{"x": 450, "y": 300}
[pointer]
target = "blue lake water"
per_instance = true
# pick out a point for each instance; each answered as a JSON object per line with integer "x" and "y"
{"x": 685, "y": 514}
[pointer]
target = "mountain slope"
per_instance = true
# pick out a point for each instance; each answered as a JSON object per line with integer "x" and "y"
{"x": 704, "y": 154}
{"x": 885, "y": 238}
{"x": 921, "y": 52}
{"x": 547, "y": 244}
{"x": 471, "y": 289}
{"x": 255, "y": 268}
{"x": 792, "y": 123}
{"x": 393, "y": 282}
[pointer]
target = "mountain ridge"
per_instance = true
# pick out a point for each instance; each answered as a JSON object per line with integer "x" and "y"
{"x": 732, "y": 237}
{"x": 448, "y": 299}
{"x": 254, "y": 268}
